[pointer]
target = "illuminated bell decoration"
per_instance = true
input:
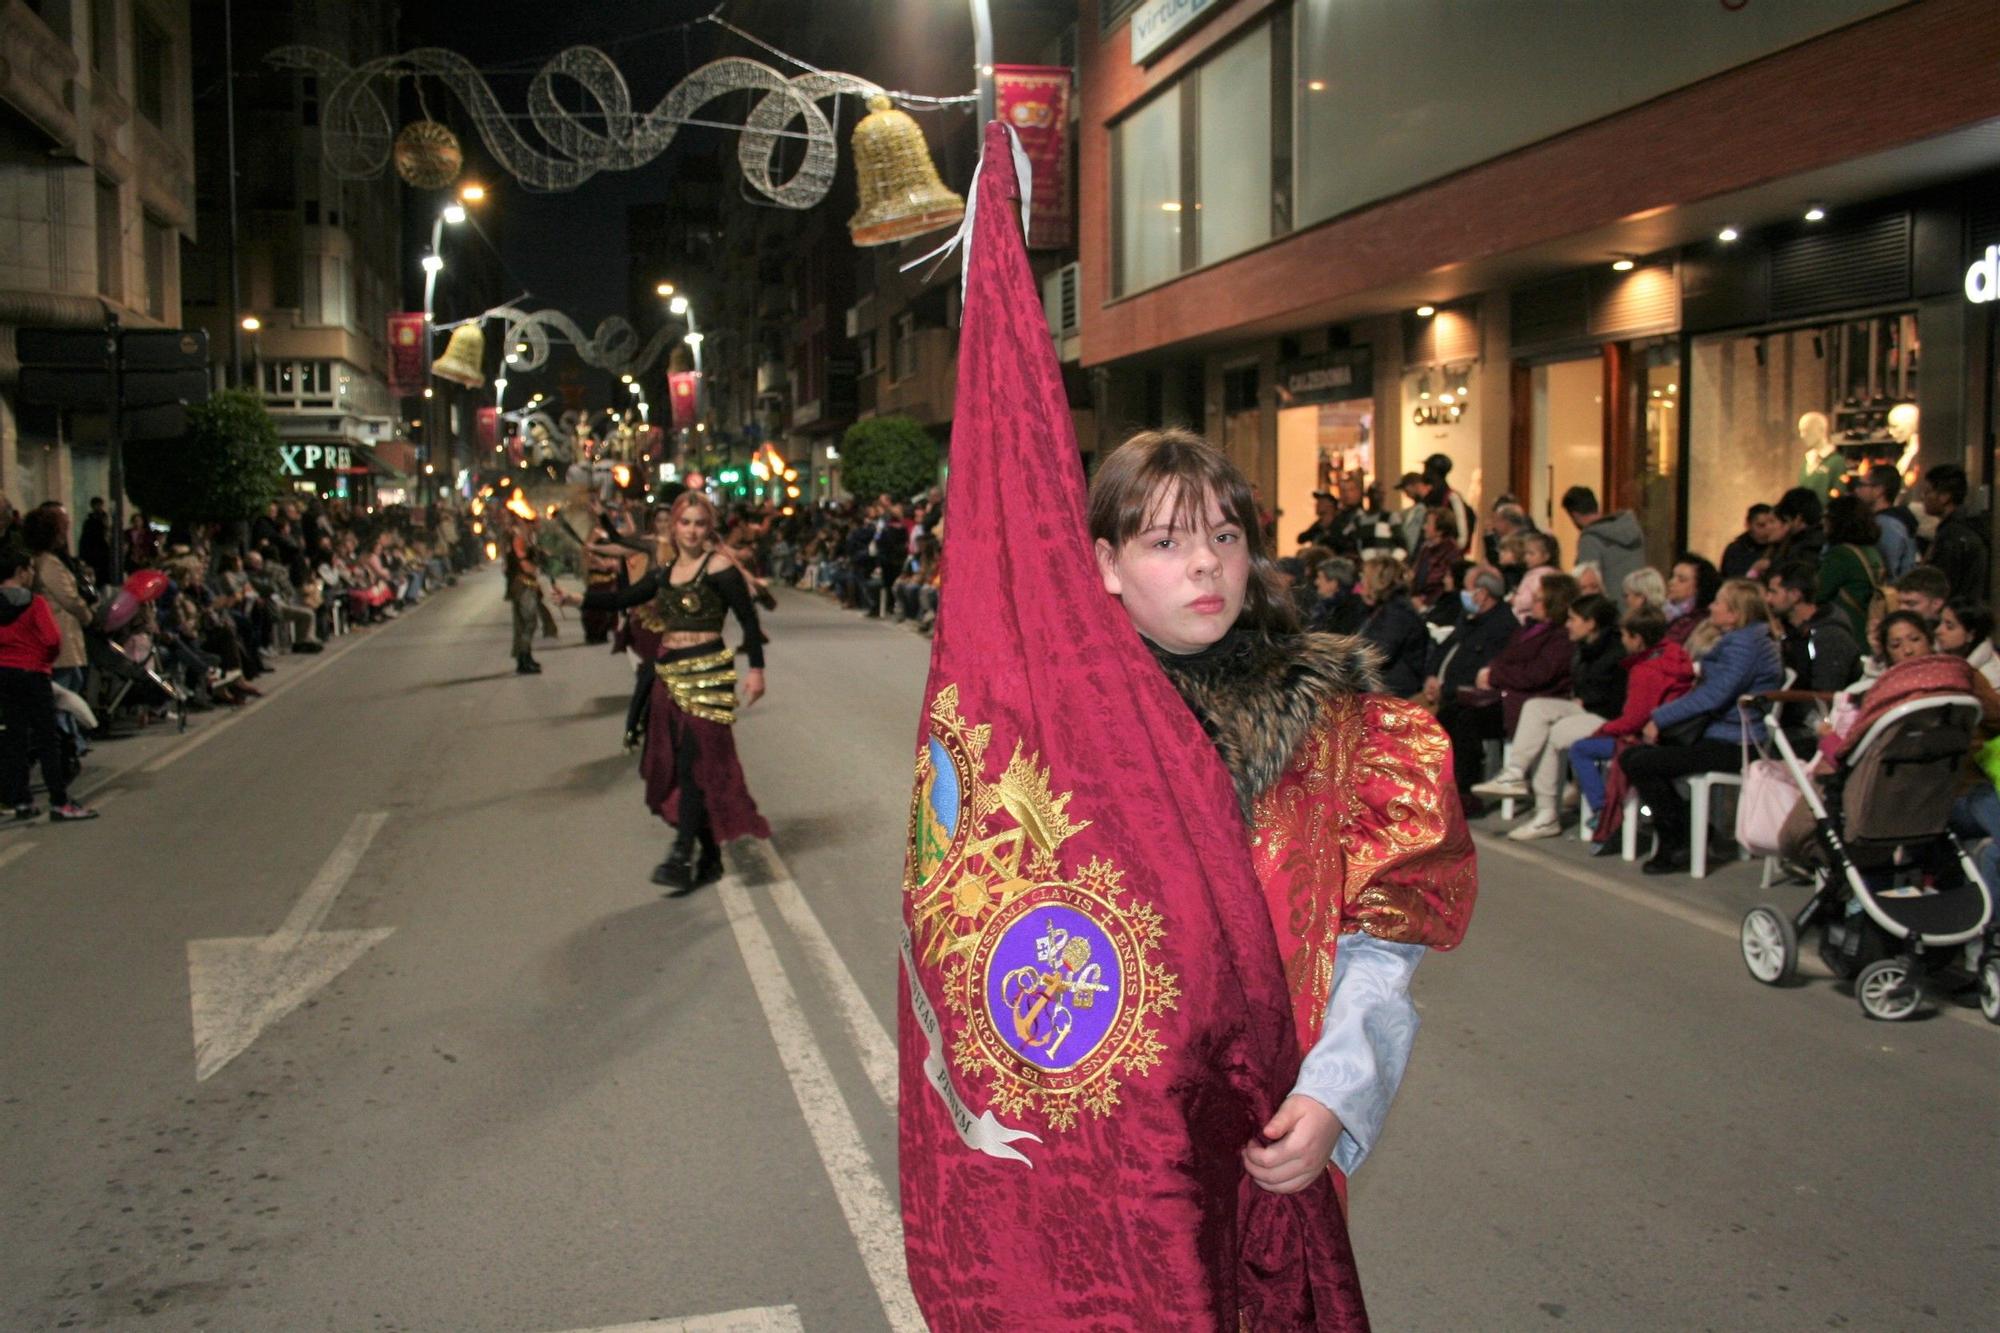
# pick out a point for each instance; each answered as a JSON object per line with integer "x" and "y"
{"x": 901, "y": 195}
{"x": 427, "y": 155}
{"x": 462, "y": 357}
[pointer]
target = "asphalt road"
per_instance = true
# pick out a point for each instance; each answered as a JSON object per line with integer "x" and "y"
{"x": 521, "y": 1092}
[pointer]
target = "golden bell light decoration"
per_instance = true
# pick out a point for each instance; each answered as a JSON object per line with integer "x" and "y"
{"x": 462, "y": 357}
{"x": 901, "y": 195}
{"x": 427, "y": 155}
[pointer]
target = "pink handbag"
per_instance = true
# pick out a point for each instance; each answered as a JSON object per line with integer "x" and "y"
{"x": 1766, "y": 799}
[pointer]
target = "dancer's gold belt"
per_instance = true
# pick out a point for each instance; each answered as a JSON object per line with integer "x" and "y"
{"x": 703, "y": 687}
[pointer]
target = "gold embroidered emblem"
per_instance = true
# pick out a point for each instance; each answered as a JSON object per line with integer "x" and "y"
{"x": 1049, "y": 962}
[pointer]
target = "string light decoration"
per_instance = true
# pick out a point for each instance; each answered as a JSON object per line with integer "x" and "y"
{"x": 531, "y": 334}
{"x": 358, "y": 131}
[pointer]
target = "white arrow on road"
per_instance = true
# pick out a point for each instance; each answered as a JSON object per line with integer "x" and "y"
{"x": 239, "y": 987}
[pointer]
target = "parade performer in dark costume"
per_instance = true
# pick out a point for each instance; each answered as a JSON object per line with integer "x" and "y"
{"x": 524, "y": 593}
{"x": 693, "y": 778}
{"x": 602, "y": 572}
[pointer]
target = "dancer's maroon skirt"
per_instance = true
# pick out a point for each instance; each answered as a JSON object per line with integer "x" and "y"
{"x": 731, "y": 812}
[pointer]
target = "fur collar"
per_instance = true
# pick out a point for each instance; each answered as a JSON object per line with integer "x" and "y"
{"x": 1258, "y": 695}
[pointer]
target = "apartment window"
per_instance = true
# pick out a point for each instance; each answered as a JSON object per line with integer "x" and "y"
{"x": 298, "y": 383}
{"x": 1203, "y": 171}
{"x": 864, "y": 348}
{"x": 1233, "y": 149}
{"x": 104, "y": 38}
{"x": 1147, "y": 162}
{"x": 152, "y": 55}
{"x": 159, "y": 261}
{"x": 110, "y": 243}
{"x": 903, "y": 346}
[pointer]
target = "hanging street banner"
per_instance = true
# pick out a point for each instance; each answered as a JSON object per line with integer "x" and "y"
{"x": 487, "y": 426}
{"x": 682, "y": 387}
{"x": 1034, "y": 100}
{"x": 406, "y": 353}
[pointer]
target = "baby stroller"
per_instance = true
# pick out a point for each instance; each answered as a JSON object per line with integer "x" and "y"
{"x": 1899, "y": 905}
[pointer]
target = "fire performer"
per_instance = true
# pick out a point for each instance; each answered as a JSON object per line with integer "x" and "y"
{"x": 694, "y": 780}
{"x": 524, "y": 586}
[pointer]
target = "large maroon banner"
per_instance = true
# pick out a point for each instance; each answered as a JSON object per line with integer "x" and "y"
{"x": 1034, "y": 101}
{"x": 1095, "y": 1020}
{"x": 407, "y": 355}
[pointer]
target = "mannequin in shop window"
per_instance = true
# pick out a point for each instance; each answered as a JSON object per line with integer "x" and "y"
{"x": 1822, "y": 466}
{"x": 1903, "y": 430}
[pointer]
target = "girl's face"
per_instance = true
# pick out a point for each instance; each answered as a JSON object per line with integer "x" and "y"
{"x": 1951, "y": 635}
{"x": 1183, "y": 589}
{"x": 1580, "y": 627}
{"x": 694, "y": 527}
{"x": 1680, "y": 583}
{"x": 1722, "y": 615}
{"x": 1325, "y": 584}
{"x": 1906, "y": 641}
{"x": 1633, "y": 643}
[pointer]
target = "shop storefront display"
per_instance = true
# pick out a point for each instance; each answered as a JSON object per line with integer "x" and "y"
{"x": 1798, "y": 407}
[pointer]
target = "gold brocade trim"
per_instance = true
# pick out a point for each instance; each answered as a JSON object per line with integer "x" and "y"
{"x": 703, "y": 687}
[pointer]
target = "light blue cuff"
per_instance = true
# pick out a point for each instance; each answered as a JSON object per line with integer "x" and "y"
{"x": 1356, "y": 1065}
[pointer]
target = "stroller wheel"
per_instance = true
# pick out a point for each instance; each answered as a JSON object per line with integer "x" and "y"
{"x": 1989, "y": 989}
{"x": 1770, "y": 945}
{"x": 1887, "y": 990}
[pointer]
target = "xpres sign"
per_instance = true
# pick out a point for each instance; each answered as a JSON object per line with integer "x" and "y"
{"x": 296, "y": 458}
{"x": 1982, "y": 280}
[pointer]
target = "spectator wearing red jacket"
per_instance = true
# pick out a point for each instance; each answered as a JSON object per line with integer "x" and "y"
{"x": 1657, "y": 671}
{"x": 29, "y": 644}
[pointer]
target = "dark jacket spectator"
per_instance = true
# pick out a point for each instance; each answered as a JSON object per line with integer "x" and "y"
{"x": 1598, "y": 675}
{"x": 1535, "y": 664}
{"x": 1850, "y": 572}
{"x": 1394, "y": 627}
{"x": 1959, "y": 547}
{"x": 1751, "y": 545}
{"x": 1481, "y": 634}
{"x": 93, "y": 545}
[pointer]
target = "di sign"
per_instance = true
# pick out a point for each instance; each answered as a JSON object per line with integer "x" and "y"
{"x": 1982, "y": 280}
{"x": 1158, "y": 24}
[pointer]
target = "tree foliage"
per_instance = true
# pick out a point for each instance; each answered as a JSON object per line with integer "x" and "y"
{"x": 227, "y": 467}
{"x": 892, "y": 455}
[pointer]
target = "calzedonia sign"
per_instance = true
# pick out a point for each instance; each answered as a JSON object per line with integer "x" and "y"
{"x": 1982, "y": 280}
{"x": 1157, "y": 24}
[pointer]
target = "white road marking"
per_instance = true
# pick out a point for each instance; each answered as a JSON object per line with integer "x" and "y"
{"x": 871, "y": 1039}
{"x": 764, "y": 1319}
{"x": 1668, "y": 907}
{"x": 15, "y": 853}
{"x": 864, "y": 1201}
{"x": 238, "y": 987}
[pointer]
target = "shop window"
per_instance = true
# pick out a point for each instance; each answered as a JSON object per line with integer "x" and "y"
{"x": 1147, "y": 149}
{"x": 1769, "y": 411}
{"x": 1233, "y": 149}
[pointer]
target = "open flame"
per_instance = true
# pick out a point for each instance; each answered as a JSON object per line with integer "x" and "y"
{"x": 622, "y": 475}
{"x": 492, "y": 551}
{"x": 517, "y": 505}
{"x": 478, "y": 506}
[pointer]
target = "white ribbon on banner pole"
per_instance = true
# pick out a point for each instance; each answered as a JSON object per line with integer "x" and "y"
{"x": 982, "y": 1131}
{"x": 1024, "y": 175}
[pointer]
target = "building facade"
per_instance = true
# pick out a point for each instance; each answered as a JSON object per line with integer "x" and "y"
{"x": 97, "y": 196}
{"x": 1637, "y": 254}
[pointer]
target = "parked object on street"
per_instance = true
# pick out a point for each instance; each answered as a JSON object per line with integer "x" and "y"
{"x": 1899, "y": 904}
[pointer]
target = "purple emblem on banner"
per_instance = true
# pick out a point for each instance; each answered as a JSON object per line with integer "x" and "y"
{"x": 1053, "y": 986}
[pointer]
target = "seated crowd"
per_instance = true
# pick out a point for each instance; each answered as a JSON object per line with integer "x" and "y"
{"x": 1612, "y": 677}
{"x": 197, "y": 620}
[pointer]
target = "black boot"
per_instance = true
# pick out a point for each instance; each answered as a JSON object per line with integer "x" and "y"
{"x": 676, "y": 873}
{"x": 525, "y": 665}
{"x": 709, "y": 868}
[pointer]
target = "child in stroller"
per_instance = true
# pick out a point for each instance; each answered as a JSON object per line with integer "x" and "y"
{"x": 1897, "y": 899}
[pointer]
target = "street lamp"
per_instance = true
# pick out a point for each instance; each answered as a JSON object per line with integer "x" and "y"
{"x": 452, "y": 214}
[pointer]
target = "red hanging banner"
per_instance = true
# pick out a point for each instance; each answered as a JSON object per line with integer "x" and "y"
{"x": 683, "y": 387}
{"x": 488, "y": 426}
{"x": 1034, "y": 100}
{"x": 406, "y": 353}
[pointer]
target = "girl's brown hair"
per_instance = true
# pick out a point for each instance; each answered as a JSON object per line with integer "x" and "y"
{"x": 1172, "y": 474}
{"x": 1558, "y": 593}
